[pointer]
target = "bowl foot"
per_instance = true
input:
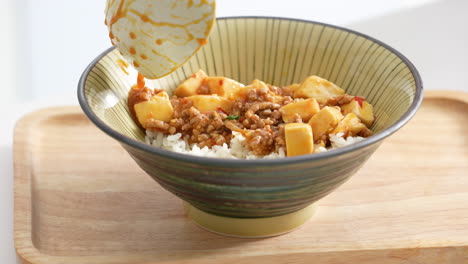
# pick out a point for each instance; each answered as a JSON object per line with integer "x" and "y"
{"x": 249, "y": 227}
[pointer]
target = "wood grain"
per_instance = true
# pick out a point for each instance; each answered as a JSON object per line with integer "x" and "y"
{"x": 79, "y": 198}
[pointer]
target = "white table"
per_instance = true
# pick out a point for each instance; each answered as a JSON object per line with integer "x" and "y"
{"x": 432, "y": 35}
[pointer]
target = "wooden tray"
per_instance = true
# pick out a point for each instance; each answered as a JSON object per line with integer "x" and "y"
{"x": 79, "y": 198}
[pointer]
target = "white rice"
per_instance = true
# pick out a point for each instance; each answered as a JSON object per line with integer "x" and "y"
{"x": 236, "y": 150}
{"x": 337, "y": 141}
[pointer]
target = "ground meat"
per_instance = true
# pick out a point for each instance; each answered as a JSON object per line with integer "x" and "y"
{"x": 280, "y": 141}
{"x": 287, "y": 100}
{"x": 281, "y": 91}
{"x": 261, "y": 141}
{"x": 339, "y": 100}
{"x": 257, "y": 115}
{"x": 365, "y": 132}
{"x": 286, "y": 91}
{"x": 256, "y": 118}
{"x": 180, "y": 105}
{"x": 276, "y": 114}
{"x": 262, "y": 106}
{"x": 233, "y": 126}
{"x": 157, "y": 125}
{"x": 296, "y": 118}
{"x": 202, "y": 128}
{"x": 259, "y": 95}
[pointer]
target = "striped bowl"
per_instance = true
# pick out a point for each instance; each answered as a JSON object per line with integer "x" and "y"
{"x": 279, "y": 51}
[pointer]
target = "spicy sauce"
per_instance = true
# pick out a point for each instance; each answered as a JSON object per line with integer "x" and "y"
{"x": 359, "y": 99}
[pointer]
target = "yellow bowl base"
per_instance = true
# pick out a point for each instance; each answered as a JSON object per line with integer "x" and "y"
{"x": 249, "y": 227}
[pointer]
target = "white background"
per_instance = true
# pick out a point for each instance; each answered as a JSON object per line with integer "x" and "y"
{"x": 46, "y": 44}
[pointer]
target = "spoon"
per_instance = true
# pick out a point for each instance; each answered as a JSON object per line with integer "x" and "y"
{"x": 158, "y": 36}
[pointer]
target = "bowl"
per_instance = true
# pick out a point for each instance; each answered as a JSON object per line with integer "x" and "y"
{"x": 257, "y": 198}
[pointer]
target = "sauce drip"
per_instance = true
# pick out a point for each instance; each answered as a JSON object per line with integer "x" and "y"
{"x": 122, "y": 65}
{"x": 202, "y": 41}
{"x": 141, "y": 81}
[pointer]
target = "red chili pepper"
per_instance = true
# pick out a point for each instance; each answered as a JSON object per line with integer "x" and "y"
{"x": 220, "y": 110}
{"x": 359, "y": 99}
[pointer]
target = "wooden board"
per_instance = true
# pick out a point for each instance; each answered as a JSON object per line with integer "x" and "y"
{"x": 79, "y": 198}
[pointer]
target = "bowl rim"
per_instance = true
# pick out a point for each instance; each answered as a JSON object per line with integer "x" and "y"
{"x": 221, "y": 162}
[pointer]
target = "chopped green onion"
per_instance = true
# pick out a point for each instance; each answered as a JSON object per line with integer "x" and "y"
{"x": 232, "y": 117}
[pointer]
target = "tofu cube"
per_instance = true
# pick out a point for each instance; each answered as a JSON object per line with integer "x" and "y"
{"x": 257, "y": 84}
{"x": 318, "y": 88}
{"x": 158, "y": 107}
{"x": 325, "y": 121}
{"x": 362, "y": 109}
{"x": 241, "y": 94}
{"x": 160, "y": 95}
{"x": 299, "y": 139}
{"x": 350, "y": 125}
{"x": 222, "y": 86}
{"x": 205, "y": 103}
{"x": 305, "y": 108}
{"x": 190, "y": 86}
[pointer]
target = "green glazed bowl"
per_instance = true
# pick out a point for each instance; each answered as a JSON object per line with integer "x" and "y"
{"x": 279, "y": 51}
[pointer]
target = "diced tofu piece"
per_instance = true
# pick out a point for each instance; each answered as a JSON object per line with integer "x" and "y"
{"x": 350, "y": 125}
{"x": 257, "y": 84}
{"x": 190, "y": 86}
{"x": 362, "y": 109}
{"x": 318, "y": 88}
{"x": 305, "y": 108}
{"x": 158, "y": 107}
{"x": 205, "y": 103}
{"x": 325, "y": 121}
{"x": 241, "y": 93}
{"x": 222, "y": 86}
{"x": 162, "y": 95}
{"x": 299, "y": 139}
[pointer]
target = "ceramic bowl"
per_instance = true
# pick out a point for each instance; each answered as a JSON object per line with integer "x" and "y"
{"x": 279, "y": 51}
